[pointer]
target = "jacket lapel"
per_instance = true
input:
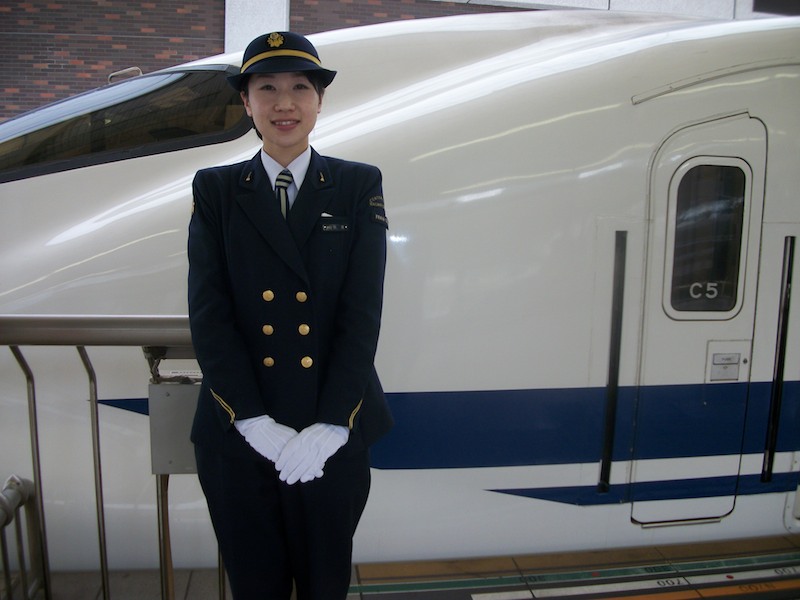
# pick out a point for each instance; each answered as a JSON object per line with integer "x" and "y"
{"x": 315, "y": 194}
{"x": 257, "y": 200}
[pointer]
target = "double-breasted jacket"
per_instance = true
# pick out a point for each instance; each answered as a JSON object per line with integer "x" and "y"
{"x": 285, "y": 314}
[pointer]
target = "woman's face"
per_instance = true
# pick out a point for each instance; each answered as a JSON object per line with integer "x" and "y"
{"x": 284, "y": 108}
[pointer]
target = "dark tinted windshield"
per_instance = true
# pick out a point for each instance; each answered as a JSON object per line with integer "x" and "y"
{"x": 146, "y": 115}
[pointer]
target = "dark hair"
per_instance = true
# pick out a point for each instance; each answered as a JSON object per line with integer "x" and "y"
{"x": 317, "y": 81}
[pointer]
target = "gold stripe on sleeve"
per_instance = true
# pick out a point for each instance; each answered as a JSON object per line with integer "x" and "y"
{"x": 355, "y": 412}
{"x": 224, "y": 405}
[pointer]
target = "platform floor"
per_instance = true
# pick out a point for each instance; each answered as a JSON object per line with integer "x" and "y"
{"x": 756, "y": 568}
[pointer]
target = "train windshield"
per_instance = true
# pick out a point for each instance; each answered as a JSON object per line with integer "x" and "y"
{"x": 146, "y": 115}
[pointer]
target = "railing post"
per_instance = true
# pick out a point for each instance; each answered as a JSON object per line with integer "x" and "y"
{"x": 98, "y": 475}
{"x": 8, "y": 584}
{"x": 41, "y": 535}
{"x": 164, "y": 541}
{"x": 16, "y": 493}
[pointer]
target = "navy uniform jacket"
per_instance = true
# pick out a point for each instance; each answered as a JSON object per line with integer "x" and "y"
{"x": 285, "y": 314}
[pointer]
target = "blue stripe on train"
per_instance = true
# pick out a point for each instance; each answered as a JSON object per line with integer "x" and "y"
{"x": 135, "y": 405}
{"x": 438, "y": 430}
{"x": 660, "y": 490}
{"x": 470, "y": 429}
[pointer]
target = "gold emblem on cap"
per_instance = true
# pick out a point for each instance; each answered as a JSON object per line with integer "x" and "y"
{"x": 275, "y": 40}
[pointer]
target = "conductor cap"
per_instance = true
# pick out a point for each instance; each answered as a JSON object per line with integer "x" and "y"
{"x": 280, "y": 52}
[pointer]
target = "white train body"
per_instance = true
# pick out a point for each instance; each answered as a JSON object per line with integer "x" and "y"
{"x": 521, "y": 154}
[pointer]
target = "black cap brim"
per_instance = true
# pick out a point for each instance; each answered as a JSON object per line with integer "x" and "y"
{"x": 282, "y": 65}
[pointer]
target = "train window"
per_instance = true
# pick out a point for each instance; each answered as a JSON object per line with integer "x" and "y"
{"x": 146, "y": 115}
{"x": 708, "y": 222}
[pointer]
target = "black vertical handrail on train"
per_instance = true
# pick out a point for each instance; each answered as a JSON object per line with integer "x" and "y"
{"x": 615, "y": 343}
{"x": 776, "y": 392}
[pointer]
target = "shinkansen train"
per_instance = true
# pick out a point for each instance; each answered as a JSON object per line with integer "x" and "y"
{"x": 589, "y": 334}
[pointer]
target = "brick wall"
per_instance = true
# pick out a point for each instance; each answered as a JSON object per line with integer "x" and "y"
{"x": 51, "y": 49}
{"x": 311, "y": 16}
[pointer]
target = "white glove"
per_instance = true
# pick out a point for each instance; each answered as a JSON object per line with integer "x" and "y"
{"x": 305, "y": 455}
{"x": 265, "y": 435}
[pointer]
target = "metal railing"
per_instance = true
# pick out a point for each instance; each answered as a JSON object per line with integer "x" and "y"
{"x": 160, "y": 336}
{"x": 16, "y": 494}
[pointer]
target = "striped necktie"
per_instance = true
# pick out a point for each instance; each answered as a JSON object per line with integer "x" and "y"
{"x": 282, "y": 182}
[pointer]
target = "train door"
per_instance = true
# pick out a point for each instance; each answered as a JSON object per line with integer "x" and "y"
{"x": 706, "y": 201}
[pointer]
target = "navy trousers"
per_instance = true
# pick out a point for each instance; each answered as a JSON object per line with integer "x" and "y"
{"x": 271, "y": 534}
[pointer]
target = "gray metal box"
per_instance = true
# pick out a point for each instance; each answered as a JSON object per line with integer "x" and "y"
{"x": 172, "y": 407}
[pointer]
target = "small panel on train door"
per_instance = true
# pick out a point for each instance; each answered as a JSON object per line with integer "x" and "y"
{"x": 702, "y": 272}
